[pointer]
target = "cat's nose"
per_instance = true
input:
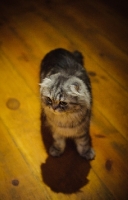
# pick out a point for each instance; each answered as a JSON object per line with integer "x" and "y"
{"x": 54, "y": 106}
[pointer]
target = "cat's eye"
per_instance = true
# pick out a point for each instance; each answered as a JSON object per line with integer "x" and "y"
{"x": 49, "y": 101}
{"x": 62, "y": 103}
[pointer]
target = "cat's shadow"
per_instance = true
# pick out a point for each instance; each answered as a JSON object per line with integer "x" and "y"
{"x": 67, "y": 173}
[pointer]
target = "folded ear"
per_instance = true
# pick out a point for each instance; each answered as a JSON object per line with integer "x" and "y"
{"x": 79, "y": 89}
{"x": 45, "y": 83}
{"x": 75, "y": 88}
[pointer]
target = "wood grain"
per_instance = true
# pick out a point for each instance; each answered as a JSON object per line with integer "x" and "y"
{"x": 28, "y": 30}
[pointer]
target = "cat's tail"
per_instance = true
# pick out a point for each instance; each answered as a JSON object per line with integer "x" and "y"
{"x": 79, "y": 57}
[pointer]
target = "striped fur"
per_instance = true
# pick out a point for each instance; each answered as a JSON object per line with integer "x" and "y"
{"x": 66, "y": 100}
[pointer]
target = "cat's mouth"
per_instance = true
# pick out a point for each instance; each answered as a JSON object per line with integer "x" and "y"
{"x": 56, "y": 109}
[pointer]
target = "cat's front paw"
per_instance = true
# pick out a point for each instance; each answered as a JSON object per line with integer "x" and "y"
{"x": 89, "y": 155}
{"x": 54, "y": 151}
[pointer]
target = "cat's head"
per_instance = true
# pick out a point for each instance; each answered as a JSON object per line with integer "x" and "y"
{"x": 64, "y": 94}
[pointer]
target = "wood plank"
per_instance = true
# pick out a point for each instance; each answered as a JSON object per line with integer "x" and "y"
{"x": 102, "y": 17}
{"x": 113, "y": 102}
{"x": 94, "y": 43}
{"x": 25, "y": 49}
{"x": 27, "y": 124}
{"x": 111, "y": 161}
{"x": 24, "y": 126}
{"x": 13, "y": 166}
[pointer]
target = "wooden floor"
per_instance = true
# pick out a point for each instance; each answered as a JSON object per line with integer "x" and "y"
{"x": 28, "y": 30}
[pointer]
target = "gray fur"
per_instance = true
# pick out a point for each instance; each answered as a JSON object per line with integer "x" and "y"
{"x": 66, "y": 100}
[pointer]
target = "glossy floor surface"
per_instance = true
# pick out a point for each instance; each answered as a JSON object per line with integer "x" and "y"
{"x": 28, "y": 30}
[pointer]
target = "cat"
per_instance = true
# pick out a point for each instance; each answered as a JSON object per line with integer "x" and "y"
{"x": 66, "y": 100}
